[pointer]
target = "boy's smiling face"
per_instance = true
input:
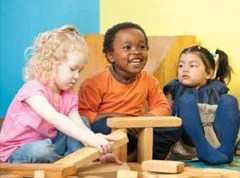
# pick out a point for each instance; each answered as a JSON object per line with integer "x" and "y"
{"x": 129, "y": 55}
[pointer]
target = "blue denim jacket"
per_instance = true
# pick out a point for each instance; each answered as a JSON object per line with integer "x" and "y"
{"x": 208, "y": 93}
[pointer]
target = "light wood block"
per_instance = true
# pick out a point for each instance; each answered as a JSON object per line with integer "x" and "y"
{"x": 88, "y": 154}
{"x": 39, "y": 174}
{"x": 143, "y": 122}
{"x": 27, "y": 170}
{"x": 10, "y": 176}
{"x": 162, "y": 166}
{"x": 121, "y": 153}
{"x": 106, "y": 170}
{"x": 127, "y": 174}
{"x": 145, "y": 144}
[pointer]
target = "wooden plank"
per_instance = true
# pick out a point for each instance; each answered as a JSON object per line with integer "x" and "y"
{"x": 145, "y": 144}
{"x": 127, "y": 174}
{"x": 39, "y": 174}
{"x": 101, "y": 170}
{"x": 142, "y": 122}
{"x": 121, "y": 152}
{"x": 88, "y": 154}
{"x": 27, "y": 170}
{"x": 163, "y": 166}
{"x": 146, "y": 174}
{"x": 10, "y": 176}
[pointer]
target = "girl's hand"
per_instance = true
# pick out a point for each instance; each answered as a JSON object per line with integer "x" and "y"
{"x": 110, "y": 158}
{"x": 101, "y": 142}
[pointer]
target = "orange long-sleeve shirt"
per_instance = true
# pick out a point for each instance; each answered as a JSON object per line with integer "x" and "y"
{"x": 102, "y": 93}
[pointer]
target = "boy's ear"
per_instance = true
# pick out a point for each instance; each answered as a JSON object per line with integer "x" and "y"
{"x": 110, "y": 57}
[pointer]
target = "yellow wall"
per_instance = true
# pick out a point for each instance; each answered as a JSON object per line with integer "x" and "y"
{"x": 214, "y": 22}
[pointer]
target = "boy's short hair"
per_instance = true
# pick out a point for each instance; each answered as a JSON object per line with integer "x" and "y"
{"x": 111, "y": 33}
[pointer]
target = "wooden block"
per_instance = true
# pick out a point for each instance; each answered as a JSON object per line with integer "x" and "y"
{"x": 214, "y": 173}
{"x": 223, "y": 172}
{"x": 27, "y": 170}
{"x": 145, "y": 144}
{"x": 162, "y": 166}
{"x": 142, "y": 122}
{"x": 10, "y": 176}
{"x": 127, "y": 174}
{"x": 39, "y": 174}
{"x": 121, "y": 152}
{"x": 88, "y": 154}
{"x": 106, "y": 170}
{"x": 181, "y": 175}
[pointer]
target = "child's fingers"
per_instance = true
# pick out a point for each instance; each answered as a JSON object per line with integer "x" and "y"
{"x": 111, "y": 137}
{"x": 110, "y": 158}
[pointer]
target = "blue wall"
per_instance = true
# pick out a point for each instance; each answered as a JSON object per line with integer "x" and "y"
{"x": 22, "y": 20}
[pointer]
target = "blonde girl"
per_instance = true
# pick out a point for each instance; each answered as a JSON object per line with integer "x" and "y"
{"x": 42, "y": 123}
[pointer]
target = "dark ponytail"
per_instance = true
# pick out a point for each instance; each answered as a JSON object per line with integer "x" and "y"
{"x": 223, "y": 72}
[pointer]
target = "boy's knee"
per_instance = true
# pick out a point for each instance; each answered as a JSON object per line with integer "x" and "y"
{"x": 170, "y": 135}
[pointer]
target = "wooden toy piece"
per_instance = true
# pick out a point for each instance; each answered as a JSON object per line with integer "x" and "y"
{"x": 127, "y": 174}
{"x": 93, "y": 177}
{"x": 106, "y": 170}
{"x": 162, "y": 166}
{"x": 144, "y": 122}
{"x": 28, "y": 169}
{"x": 39, "y": 174}
{"x": 10, "y": 176}
{"x": 145, "y": 127}
{"x": 88, "y": 154}
{"x": 197, "y": 174}
{"x": 225, "y": 173}
{"x": 145, "y": 142}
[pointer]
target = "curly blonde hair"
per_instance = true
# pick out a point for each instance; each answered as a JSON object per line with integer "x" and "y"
{"x": 49, "y": 48}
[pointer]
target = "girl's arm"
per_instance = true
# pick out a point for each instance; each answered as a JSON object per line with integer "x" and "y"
{"x": 66, "y": 125}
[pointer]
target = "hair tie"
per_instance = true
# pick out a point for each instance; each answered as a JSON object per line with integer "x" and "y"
{"x": 213, "y": 54}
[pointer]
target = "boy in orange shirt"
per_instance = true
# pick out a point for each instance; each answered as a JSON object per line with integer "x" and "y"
{"x": 123, "y": 88}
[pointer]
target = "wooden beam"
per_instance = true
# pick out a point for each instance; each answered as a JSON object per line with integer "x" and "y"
{"x": 142, "y": 122}
{"x": 27, "y": 170}
{"x": 39, "y": 174}
{"x": 145, "y": 144}
{"x": 10, "y": 176}
{"x": 163, "y": 166}
{"x": 88, "y": 154}
{"x": 101, "y": 170}
{"x": 121, "y": 152}
{"x": 127, "y": 174}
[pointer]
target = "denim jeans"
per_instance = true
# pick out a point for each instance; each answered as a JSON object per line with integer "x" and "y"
{"x": 163, "y": 138}
{"x": 47, "y": 150}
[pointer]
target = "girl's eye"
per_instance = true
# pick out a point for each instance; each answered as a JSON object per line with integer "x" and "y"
{"x": 180, "y": 65}
{"x": 193, "y": 65}
{"x": 72, "y": 69}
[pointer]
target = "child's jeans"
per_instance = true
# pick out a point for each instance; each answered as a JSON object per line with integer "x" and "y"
{"x": 47, "y": 150}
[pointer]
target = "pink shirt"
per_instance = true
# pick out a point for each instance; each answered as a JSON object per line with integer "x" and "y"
{"x": 23, "y": 125}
